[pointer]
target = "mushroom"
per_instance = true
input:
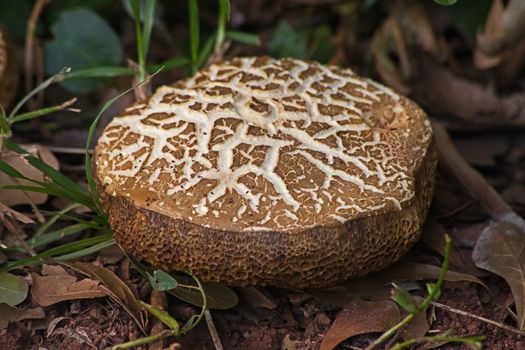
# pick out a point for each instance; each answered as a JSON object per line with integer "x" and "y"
{"x": 268, "y": 172}
{"x": 8, "y": 70}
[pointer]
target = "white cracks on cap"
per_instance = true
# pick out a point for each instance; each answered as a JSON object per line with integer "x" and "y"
{"x": 195, "y": 133}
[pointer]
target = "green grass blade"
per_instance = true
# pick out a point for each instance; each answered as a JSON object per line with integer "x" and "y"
{"x": 89, "y": 176}
{"x": 99, "y": 72}
{"x": 242, "y": 37}
{"x": 224, "y": 16}
{"x": 62, "y": 250}
{"x": 53, "y": 79}
{"x": 54, "y": 236}
{"x": 86, "y": 251}
{"x": 5, "y": 126}
{"x": 10, "y": 171}
{"x": 43, "y": 228}
{"x": 29, "y": 189}
{"x": 149, "y": 16}
{"x": 57, "y": 177}
{"x": 193, "y": 8}
{"x": 206, "y": 51}
{"x": 172, "y": 63}
{"x": 42, "y": 111}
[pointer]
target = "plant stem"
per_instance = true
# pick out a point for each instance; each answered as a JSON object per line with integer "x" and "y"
{"x": 434, "y": 292}
{"x": 146, "y": 340}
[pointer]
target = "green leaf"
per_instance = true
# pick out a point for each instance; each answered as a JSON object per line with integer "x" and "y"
{"x": 446, "y": 2}
{"x": 13, "y": 289}
{"x": 287, "y": 42}
{"x": 162, "y": 315}
{"x": 404, "y": 299}
{"x": 82, "y": 40}
{"x": 218, "y": 296}
{"x": 162, "y": 281}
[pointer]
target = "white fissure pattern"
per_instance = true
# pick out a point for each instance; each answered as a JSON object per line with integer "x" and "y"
{"x": 258, "y": 143}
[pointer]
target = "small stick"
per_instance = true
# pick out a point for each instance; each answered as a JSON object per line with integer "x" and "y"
{"x": 29, "y": 54}
{"x": 476, "y": 186}
{"x": 213, "y": 330}
{"x": 479, "y": 318}
{"x": 159, "y": 300}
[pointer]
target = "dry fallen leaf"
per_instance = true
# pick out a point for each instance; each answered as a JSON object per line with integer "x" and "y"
{"x": 12, "y": 314}
{"x": 17, "y": 161}
{"x": 360, "y": 317}
{"x": 56, "y": 285}
{"x": 501, "y": 250}
{"x": 113, "y": 286}
{"x": 418, "y": 327}
{"x": 406, "y": 271}
{"x": 257, "y": 297}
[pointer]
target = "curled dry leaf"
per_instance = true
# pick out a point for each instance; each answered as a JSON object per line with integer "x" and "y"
{"x": 56, "y": 285}
{"x": 361, "y": 317}
{"x": 12, "y": 314}
{"x": 504, "y": 27}
{"x": 418, "y": 327}
{"x": 114, "y": 287}
{"x": 17, "y": 161}
{"x": 377, "y": 287}
{"x": 443, "y": 93}
{"x": 501, "y": 250}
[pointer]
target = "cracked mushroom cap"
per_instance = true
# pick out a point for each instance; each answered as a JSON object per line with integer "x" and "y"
{"x": 268, "y": 172}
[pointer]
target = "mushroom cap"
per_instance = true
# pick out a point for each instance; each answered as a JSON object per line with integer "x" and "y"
{"x": 263, "y": 171}
{"x": 8, "y": 70}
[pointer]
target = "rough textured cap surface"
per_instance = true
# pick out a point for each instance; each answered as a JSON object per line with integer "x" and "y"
{"x": 262, "y": 171}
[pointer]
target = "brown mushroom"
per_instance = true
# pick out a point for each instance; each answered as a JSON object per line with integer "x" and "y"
{"x": 268, "y": 172}
{"x": 8, "y": 70}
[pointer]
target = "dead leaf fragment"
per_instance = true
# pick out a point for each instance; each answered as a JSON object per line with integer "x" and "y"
{"x": 113, "y": 287}
{"x": 12, "y": 314}
{"x": 17, "y": 161}
{"x": 361, "y": 317}
{"x": 501, "y": 250}
{"x": 56, "y": 285}
{"x": 258, "y": 297}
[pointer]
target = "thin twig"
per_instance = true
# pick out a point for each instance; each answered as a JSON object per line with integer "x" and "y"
{"x": 479, "y": 318}
{"x": 476, "y": 186}
{"x": 29, "y": 53}
{"x": 68, "y": 150}
{"x": 213, "y": 330}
